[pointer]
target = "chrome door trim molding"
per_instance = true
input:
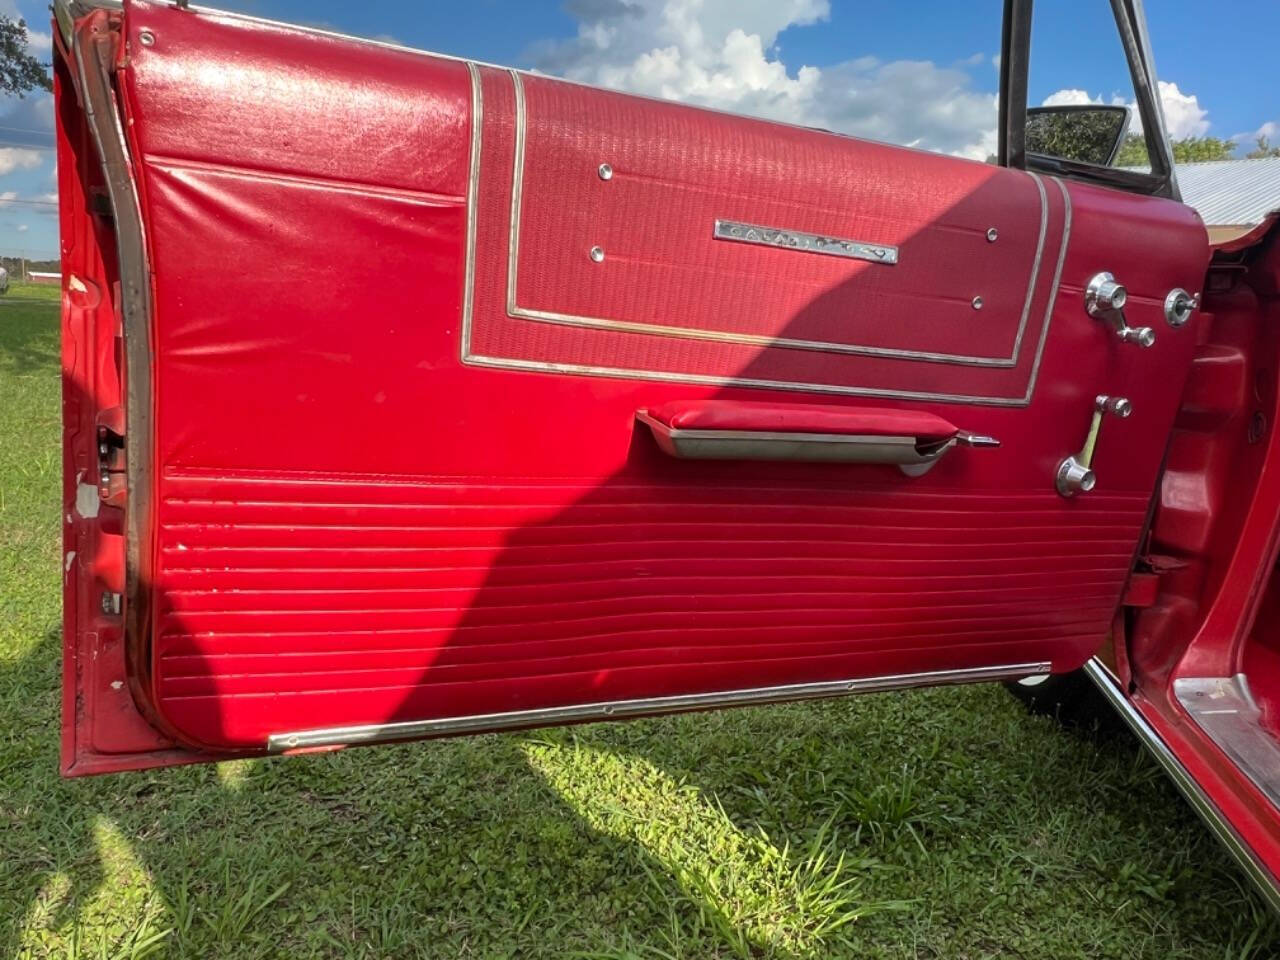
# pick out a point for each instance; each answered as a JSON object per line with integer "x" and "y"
{"x": 472, "y": 358}
{"x": 473, "y": 189}
{"x": 1265, "y": 881}
{"x": 748, "y": 339}
{"x": 1053, "y": 288}
{"x": 617, "y": 709}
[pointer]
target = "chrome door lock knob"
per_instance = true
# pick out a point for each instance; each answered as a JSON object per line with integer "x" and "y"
{"x": 1075, "y": 473}
{"x": 1178, "y": 306}
{"x": 1105, "y": 299}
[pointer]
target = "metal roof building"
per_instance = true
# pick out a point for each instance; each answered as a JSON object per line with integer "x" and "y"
{"x": 1231, "y": 195}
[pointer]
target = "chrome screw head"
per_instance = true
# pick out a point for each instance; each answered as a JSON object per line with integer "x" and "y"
{"x": 993, "y": 235}
{"x": 597, "y": 254}
{"x": 606, "y": 172}
{"x": 147, "y": 38}
{"x": 977, "y": 303}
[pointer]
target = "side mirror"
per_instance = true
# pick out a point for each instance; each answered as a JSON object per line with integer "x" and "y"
{"x": 1082, "y": 133}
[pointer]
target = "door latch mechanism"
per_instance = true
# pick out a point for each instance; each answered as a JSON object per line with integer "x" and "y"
{"x": 112, "y": 488}
{"x": 1075, "y": 473}
{"x": 1105, "y": 299}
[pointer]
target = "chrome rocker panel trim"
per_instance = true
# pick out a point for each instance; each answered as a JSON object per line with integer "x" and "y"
{"x": 617, "y": 709}
{"x": 1266, "y": 882}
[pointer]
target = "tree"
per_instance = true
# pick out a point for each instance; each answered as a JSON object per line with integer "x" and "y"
{"x": 1202, "y": 149}
{"x": 20, "y": 72}
{"x": 1263, "y": 150}
{"x": 1133, "y": 152}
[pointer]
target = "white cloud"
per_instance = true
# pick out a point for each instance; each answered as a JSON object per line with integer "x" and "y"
{"x": 39, "y": 43}
{"x": 1248, "y": 139}
{"x": 17, "y": 158}
{"x": 1183, "y": 114}
{"x": 1069, "y": 98}
{"x": 23, "y": 228}
{"x": 723, "y": 54}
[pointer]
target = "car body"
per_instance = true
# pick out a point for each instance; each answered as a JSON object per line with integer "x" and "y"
{"x": 622, "y": 407}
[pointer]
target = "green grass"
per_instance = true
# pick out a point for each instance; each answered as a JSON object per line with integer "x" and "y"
{"x": 941, "y": 823}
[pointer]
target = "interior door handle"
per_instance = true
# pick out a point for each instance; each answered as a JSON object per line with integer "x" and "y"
{"x": 723, "y": 430}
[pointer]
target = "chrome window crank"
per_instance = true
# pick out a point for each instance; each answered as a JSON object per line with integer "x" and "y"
{"x": 1075, "y": 474}
{"x": 1104, "y": 299}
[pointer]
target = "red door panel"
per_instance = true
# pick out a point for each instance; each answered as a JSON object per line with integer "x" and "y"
{"x": 398, "y": 475}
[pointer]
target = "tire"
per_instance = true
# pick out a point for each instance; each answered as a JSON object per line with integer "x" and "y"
{"x": 1069, "y": 698}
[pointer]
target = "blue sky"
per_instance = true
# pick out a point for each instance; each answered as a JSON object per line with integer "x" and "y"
{"x": 917, "y": 73}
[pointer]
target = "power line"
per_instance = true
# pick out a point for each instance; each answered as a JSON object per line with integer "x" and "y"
{"x": 30, "y": 203}
{"x": 28, "y": 130}
{"x": 18, "y": 145}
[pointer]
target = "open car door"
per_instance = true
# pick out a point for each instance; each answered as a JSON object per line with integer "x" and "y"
{"x": 407, "y": 396}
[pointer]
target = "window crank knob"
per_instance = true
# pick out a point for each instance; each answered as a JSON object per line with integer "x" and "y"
{"x": 1105, "y": 299}
{"x": 1142, "y": 336}
{"x": 1075, "y": 473}
{"x": 1120, "y": 406}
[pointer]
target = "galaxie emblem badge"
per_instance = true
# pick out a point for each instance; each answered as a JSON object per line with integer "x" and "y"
{"x": 805, "y": 242}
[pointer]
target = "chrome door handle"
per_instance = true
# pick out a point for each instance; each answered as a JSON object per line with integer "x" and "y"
{"x": 770, "y": 432}
{"x": 1105, "y": 299}
{"x": 1075, "y": 473}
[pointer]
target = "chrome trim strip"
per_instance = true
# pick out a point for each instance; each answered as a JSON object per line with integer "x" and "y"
{"x": 802, "y": 242}
{"x": 631, "y": 373}
{"x": 1053, "y": 287}
{"x": 1218, "y": 825}
{"x": 617, "y": 709}
{"x": 473, "y": 189}
{"x": 517, "y": 194}
{"x": 514, "y": 310}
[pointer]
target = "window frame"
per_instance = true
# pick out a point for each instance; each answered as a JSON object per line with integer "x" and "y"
{"x": 1015, "y": 48}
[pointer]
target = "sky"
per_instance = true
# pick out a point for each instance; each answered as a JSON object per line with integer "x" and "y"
{"x": 919, "y": 73}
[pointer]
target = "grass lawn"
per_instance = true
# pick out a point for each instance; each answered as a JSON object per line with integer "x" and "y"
{"x": 940, "y": 823}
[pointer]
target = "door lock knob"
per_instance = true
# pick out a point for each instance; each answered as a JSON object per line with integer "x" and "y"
{"x": 1105, "y": 299}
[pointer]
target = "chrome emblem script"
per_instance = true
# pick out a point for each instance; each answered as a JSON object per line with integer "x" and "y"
{"x": 805, "y": 242}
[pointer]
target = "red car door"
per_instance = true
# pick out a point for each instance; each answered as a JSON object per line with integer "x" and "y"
{"x": 407, "y": 396}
